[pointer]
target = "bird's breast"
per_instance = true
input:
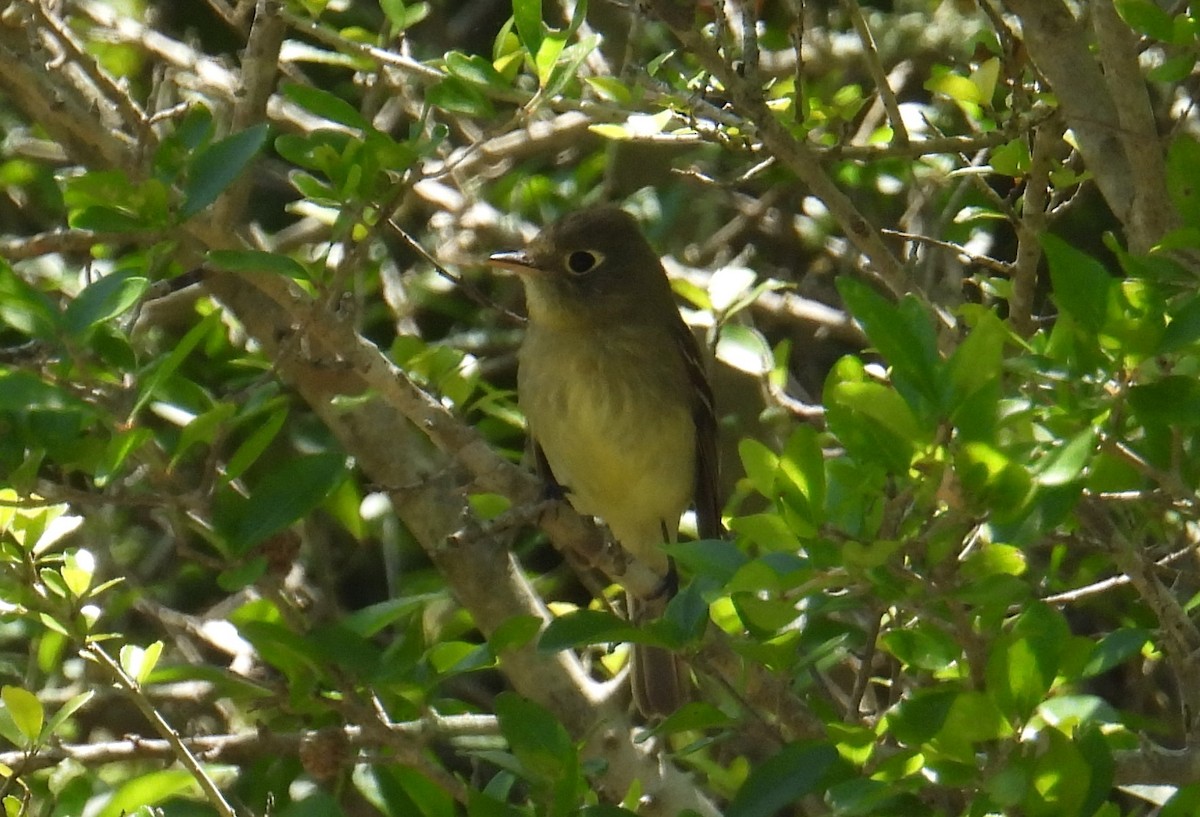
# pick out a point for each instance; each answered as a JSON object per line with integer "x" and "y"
{"x": 614, "y": 421}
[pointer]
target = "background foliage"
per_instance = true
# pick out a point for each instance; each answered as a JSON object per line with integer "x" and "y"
{"x": 265, "y": 544}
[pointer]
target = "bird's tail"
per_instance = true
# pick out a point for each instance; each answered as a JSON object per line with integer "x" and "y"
{"x": 658, "y": 676}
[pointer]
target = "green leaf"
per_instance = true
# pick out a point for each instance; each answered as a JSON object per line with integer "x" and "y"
{"x": 455, "y": 96}
{"x": 760, "y": 464}
{"x": 873, "y": 422}
{"x": 252, "y": 448}
{"x": 1175, "y": 68}
{"x": 1173, "y": 400}
{"x": 370, "y": 621}
{"x": 178, "y": 354}
{"x": 802, "y": 467}
{"x": 583, "y": 627}
{"x": 903, "y": 334}
{"x": 527, "y": 15}
{"x": 862, "y": 797}
{"x": 1182, "y": 331}
{"x": 686, "y": 616}
{"x": 1066, "y": 463}
{"x": 790, "y": 774}
{"x": 474, "y": 68}
{"x": 763, "y": 617}
{"x": 539, "y": 741}
{"x": 976, "y": 362}
{"x": 1023, "y": 663}
{"x": 26, "y": 712}
{"x": 286, "y": 495}
{"x": 1062, "y": 778}
{"x": 514, "y": 633}
{"x": 695, "y": 716}
{"x": 768, "y": 531}
{"x": 216, "y": 167}
{"x": 1012, "y": 159}
{"x": 745, "y": 349}
{"x": 428, "y": 798}
{"x": 611, "y": 89}
{"x": 147, "y": 790}
{"x": 202, "y": 429}
{"x": 922, "y": 646}
{"x": 103, "y": 300}
{"x": 1146, "y": 18}
{"x": 25, "y": 308}
{"x": 1114, "y": 649}
{"x": 326, "y": 105}
{"x": 955, "y": 86}
{"x": 993, "y": 479}
{"x": 566, "y": 64}
{"x": 1183, "y": 803}
{"x": 403, "y": 17}
{"x": 67, "y": 710}
{"x": 456, "y": 657}
{"x": 77, "y": 571}
{"x": 994, "y": 559}
{"x": 1081, "y": 284}
{"x": 713, "y": 558}
{"x": 138, "y": 663}
{"x": 120, "y": 446}
{"x": 973, "y": 719}
{"x": 21, "y": 391}
{"x": 919, "y": 718}
{"x": 258, "y": 261}
{"x": 105, "y": 220}
{"x": 290, "y": 652}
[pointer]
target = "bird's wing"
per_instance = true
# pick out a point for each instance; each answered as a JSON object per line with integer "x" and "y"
{"x": 704, "y": 415}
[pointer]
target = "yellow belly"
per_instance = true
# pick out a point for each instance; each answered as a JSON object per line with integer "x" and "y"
{"x": 618, "y": 437}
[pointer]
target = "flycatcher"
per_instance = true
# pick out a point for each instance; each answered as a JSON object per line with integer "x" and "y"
{"x": 619, "y": 407}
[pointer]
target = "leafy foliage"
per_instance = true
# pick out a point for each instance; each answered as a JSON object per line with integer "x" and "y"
{"x": 261, "y": 515}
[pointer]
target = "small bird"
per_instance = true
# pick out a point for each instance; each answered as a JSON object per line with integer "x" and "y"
{"x": 619, "y": 408}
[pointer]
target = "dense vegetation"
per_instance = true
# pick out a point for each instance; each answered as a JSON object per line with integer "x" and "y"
{"x": 266, "y": 542}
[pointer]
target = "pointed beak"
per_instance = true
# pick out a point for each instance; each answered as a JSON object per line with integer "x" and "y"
{"x": 518, "y": 262}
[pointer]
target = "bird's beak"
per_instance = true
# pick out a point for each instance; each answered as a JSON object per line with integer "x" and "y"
{"x": 518, "y": 262}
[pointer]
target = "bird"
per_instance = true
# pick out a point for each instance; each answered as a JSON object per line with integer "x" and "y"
{"x": 618, "y": 405}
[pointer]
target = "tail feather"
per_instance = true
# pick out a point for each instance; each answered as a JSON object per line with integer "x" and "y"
{"x": 658, "y": 676}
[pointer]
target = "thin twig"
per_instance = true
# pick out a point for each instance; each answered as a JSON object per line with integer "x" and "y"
{"x": 1030, "y": 228}
{"x": 985, "y": 261}
{"x": 875, "y": 66}
{"x": 179, "y": 748}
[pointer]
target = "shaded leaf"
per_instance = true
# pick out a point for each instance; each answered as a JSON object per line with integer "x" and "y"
{"x": 1081, "y": 284}
{"x": 216, "y": 167}
{"x": 286, "y": 495}
{"x": 583, "y": 627}
{"x": 790, "y": 774}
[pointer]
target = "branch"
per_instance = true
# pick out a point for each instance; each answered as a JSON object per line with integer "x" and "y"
{"x": 1030, "y": 228}
{"x": 795, "y": 155}
{"x": 248, "y": 746}
{"x": 871, "y": 55}
{"x": 58, "y": 100}
{"x": 1108, "y": 111}
{"x": 179, "y": 750}
{"x": 1180, "y": 635}
{"x": 1151, "y": 215}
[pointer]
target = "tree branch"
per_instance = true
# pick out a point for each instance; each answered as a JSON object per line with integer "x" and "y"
{"x": 797, "y": 156}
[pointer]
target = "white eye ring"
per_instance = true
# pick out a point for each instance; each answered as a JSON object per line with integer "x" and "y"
{"x": 581, "y": 262}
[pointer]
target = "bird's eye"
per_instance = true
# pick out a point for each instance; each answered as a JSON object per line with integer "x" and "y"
{"x": 582, "y": 261}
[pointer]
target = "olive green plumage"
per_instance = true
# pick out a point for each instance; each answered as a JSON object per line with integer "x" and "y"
{"x": 614, "y": 390}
